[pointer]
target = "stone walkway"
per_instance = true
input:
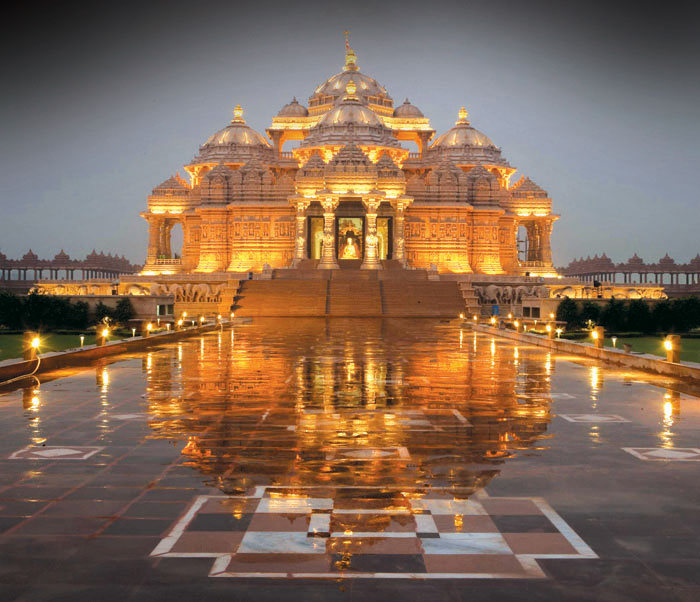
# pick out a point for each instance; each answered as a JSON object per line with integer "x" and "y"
{"x": 349, "y": 459}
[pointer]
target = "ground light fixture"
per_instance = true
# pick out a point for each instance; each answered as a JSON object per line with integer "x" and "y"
{"x": 36, "y": 341}
{"x": 133, "y": 333}
{"x": 82, "y": 340}
{"x": 559, "y": 331}
{"x": 461, "y": 316}
{"x": 493, "y": 320}
{"x": 614, "y": 341}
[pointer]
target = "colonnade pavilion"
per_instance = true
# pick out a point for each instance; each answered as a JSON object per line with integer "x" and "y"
{"x": 350, "y": 193}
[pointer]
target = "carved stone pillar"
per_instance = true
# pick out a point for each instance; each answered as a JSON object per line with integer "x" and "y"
{"x": 328, "y": 260}
{"x": 153, "y": 238}
{"x": 300, "y": 237}
{"x": 546, "y": 243}
{"x": 167, "y": 229}
{"x": 371, "y": 260}
{"x": 399, "y": 229}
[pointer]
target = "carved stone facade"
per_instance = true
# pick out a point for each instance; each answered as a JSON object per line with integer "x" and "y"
{"x": 349, "y": 191}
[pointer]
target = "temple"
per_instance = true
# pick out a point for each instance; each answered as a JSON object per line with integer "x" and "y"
{"x": 350, "y": 180}
{"x": 351, "y": 206}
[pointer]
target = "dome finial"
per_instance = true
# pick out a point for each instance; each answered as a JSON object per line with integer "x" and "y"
{"x": 350, "y": 89}
{"x": 238, "y": 114}
{"x": 350, "y": 57}
{"x": 462, "y": 116}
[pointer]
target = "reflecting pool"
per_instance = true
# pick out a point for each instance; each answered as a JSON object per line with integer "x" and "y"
{"x": 358, "y": 450}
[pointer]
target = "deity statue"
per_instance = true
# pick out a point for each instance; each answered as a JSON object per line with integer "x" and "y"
{"x": 350, "y": 251}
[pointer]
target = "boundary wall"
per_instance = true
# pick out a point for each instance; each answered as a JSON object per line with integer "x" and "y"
{"x": 84, "y": 355}
{"x": 639, "y": 361}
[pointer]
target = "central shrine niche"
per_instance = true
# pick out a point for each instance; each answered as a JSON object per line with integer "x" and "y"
{"x": 350, "y": 190}
{"x": 350, "y": 237}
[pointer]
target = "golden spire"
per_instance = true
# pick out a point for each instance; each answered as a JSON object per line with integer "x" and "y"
{"x": 350, "y": 57}
{"x": 462, "y": 117}
{"x": 238, "y": 114}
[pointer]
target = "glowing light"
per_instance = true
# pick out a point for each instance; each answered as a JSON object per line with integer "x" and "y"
{"x": 474, "y": 318}
{"x": 516, "y": 324}
{"x": 179, "y": 322}
{"x": 559, "y": 331}
{"x": 551, "y": 316}
{"x": 133, "y": 332}
{"x": 510, "y": 316}
{"x": 668, "y": 345}
{"x": 493, "y": 320}
{"x": 82, "y": 340}
{"x": 184, "y": 314}
{"x": 149, "y": 326}
{"x": 36, "y": 342}
{"x": 548, "y": 328}
{"x": 461, "y": 316}
{"x": 614, "y": 341}
{"x": 594, "y": 334}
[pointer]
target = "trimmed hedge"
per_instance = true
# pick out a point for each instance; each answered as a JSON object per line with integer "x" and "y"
{"x": 675, "y": 315}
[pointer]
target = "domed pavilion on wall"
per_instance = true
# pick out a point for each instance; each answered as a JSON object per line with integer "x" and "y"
{"x": 348, "y": 192}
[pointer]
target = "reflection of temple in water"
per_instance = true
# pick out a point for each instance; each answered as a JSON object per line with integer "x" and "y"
{"x": 354, "y": 402}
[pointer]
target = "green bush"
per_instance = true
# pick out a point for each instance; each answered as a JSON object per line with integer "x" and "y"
{"x": 568, "y": 311}
{"x": 614, "y": 315}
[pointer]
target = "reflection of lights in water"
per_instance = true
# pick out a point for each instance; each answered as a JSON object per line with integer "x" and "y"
{"x": 35, "y": 403}
{"x": 149, "y": 361}
{"x": 594, "y": 378}
{"x": 516, "y": 355}
{"x": 474, "y": 345}
{"x": 548, "y": 364}
{"x": 461, "y": 337}
{"x": 179, "y": 352}
{"x": 594, "y": 434}
{"x": 493, "y": 346}
{"x": 350, "y": 369}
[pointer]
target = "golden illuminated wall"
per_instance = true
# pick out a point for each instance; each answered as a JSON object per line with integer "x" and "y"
{"x": 454, "y": 239}
{"x": 261, "y": 235}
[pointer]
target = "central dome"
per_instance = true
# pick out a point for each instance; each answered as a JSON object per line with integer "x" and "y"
{"x": 350, "y": 111}
{"x": 335, "y": 86}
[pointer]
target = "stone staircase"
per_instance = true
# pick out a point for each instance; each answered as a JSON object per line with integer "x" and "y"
{"x": 351, "y": 292}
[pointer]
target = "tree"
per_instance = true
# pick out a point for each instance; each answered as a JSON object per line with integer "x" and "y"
{"x": 102, "y": 311}
{"x": 639, "y": 317}
{"x": 590, "y": 311}
{"x": 10, "y": 311}
{"x": 124, "y": 311}
{"x": 614, "y": 315}
{"x": 568, "y": 312}
{"x": 662, "y": 316}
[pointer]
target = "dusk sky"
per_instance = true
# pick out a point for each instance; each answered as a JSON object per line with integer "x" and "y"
{"x": 598, "y": 105}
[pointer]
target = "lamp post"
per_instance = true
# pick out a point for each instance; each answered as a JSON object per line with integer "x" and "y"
{"x": 598, "y": 335}
{"x": 30, "y": 345}
{"x": 102, "y": 334}
{"x": 672, "y": 345}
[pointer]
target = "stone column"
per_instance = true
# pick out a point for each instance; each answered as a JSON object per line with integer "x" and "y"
{"x": 328, "y": 260}
{"x": 371, "y": 259}
{"x": 545, "y": 242}
{"x": 399, "y": 229}
{"x": 153, "y": 238}
{"x": 300, "y": 238}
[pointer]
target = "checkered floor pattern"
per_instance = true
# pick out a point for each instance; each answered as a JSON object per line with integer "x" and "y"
{"x": 353, "y": 532}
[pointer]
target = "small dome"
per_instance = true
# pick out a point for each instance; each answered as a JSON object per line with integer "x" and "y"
{"x": 462, "y": 134}
{"x": 293, "y": 109}
{"x": 407, "y": 110}
{"x": 237, "y": 132}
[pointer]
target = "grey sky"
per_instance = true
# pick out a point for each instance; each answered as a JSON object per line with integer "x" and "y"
{"x": 601, "y": 107}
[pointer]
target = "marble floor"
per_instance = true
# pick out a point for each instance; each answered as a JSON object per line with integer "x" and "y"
{"x": 352, "y": 460}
